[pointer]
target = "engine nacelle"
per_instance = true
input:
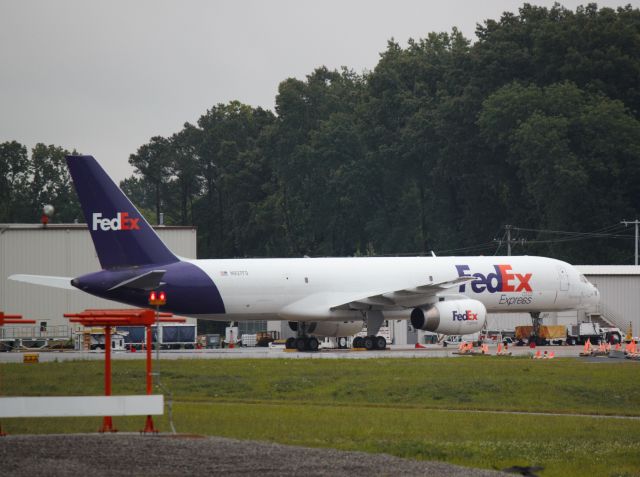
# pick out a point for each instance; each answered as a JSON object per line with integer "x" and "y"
{"x": 329, "y": 328}
{"x": 454, "y": 317}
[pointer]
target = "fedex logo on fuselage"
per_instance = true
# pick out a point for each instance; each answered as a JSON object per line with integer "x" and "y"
{"x": 466, "y": 316}
{"x": 122, "y": 221}
{"x": 503, "y": 280}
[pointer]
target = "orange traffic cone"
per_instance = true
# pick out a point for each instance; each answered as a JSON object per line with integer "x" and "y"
{"x": 538, "y": 355}
{"x": 552, "y": 355}
{"x": 499, "y": 348}
{"x": 587, "y": 346}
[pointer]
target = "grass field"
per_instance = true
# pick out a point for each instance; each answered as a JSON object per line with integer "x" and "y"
{"x": 417, "y": 408}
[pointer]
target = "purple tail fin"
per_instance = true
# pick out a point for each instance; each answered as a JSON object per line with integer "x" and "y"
{"x": 121, "y": 235}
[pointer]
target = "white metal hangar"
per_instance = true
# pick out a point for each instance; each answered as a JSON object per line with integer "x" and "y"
{"x": 61, "y": 250}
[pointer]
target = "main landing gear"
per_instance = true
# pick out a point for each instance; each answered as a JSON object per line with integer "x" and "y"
{"x": 303, "y": 343}
{"x": 370, "y": 342}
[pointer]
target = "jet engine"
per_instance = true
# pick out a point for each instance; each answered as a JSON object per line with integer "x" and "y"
{"x": 454, "y": 317}
{"x": 329, "y": 328}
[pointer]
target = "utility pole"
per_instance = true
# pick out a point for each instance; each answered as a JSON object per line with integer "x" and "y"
{"x": 509, "y": 240}
{"x": 634, "y": 222}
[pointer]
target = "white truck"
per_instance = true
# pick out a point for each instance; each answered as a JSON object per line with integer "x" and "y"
{"x": 580, "y": 333}
{"x": 93, "y": 339}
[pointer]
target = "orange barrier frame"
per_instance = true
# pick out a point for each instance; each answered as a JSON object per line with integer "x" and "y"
{"x": 128, "y": 317}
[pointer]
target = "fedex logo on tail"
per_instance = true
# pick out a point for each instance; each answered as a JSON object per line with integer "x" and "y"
{"x": 466, "y": 316}
{"x": 122, "y": 221}
{"x": 503, "y": 280}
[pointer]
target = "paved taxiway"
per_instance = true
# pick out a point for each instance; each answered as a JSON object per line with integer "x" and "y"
{"x": 279, "y": 353}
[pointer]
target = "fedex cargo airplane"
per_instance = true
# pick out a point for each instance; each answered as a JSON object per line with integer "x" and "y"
{"x": 317, "y": 296}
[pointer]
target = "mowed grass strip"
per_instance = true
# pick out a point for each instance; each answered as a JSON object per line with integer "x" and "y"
{"x": 482, "y": 383}
{"x": 564, "y": 445}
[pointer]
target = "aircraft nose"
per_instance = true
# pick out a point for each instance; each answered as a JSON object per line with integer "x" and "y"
{"x": 592, "y": 295}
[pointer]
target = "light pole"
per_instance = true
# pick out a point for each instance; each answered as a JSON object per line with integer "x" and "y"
{"x": 157, "y": 299}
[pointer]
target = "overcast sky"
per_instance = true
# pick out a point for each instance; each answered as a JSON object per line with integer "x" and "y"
{"x": 104, "y": 77}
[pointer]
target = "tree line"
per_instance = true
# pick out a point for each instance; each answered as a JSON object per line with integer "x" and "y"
{"x": 440, "y": 146}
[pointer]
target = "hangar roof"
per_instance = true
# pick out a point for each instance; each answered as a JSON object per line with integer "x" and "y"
{"x": 609, "y": 269}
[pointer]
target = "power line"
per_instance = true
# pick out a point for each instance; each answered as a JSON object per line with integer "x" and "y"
{"x": 574, "y": 234}
{"x": 634, "y": 222}
{"x": 507, "y": 239}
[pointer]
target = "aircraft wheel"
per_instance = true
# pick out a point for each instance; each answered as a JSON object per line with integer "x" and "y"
{"x": 369, "y": 343}
{"x": 357, "y": 342}
{"x": 290, "y": 343}
{"x": 380, "y": 342}
{"x": 312, "y": 344}
{"x": 301, "y": 344}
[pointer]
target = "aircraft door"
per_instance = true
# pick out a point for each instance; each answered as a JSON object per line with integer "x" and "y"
{"x": 564, "y": 279}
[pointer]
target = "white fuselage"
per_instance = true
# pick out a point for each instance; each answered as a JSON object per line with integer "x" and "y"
{"x": 309, "y": 288}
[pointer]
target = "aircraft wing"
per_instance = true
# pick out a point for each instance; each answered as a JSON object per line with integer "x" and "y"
{"x": 44, "y": 280}
{"x": 405, "y": 298}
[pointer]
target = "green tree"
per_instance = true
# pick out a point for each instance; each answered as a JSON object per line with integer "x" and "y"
{"x": 51, "y": 183}
{"x": 575, "y": 155}
{"x": 152, "y": 162}
{"x": 184, "y": 169}
{"x": 14, "y": 165}
{"x": 228, "y": 138}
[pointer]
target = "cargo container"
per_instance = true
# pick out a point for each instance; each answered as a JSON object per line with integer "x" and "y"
{"x": 171, "y": 336}
{"x": 546, "y": 332}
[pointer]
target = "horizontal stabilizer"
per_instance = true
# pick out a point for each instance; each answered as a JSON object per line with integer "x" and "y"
{"x": 146, "y": 281}
{"x": 44, "y": 280}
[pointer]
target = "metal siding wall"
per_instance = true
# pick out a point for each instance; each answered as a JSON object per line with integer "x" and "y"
{"x": 620, "y": 299}
{"x": 180, "y": 241}
{"x": 508, "y": 321}
{"x": 60, "y": 252}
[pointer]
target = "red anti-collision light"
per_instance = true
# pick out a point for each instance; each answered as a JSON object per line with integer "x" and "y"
{"x": 157, "y": 298}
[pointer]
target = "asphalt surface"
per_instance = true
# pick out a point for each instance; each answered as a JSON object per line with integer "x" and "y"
{"x": 431, "y": 351}
{"x": 180, "y": 455}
